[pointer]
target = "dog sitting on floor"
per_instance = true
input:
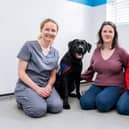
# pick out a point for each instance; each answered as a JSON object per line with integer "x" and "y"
{"x": 68, "y": 77}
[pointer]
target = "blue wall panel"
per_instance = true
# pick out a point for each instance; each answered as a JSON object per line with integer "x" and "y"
{"x": 91, "y": 2}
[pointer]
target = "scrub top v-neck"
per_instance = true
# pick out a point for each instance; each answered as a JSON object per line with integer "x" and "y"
{"x": 39, "y": 66}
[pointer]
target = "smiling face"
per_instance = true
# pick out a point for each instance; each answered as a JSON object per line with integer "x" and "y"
{"x": 107, "y": 34}
{"x": 49, "y": 31}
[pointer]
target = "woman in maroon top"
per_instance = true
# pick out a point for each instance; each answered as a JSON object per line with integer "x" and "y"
{"x": 108, "y": 62}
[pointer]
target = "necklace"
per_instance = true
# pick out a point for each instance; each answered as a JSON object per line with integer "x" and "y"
{"x": 45, "y": 50}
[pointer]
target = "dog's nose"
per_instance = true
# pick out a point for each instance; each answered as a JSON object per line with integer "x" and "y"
{"x": 80, "y": 49}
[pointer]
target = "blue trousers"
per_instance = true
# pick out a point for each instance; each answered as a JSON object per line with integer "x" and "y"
{"x": 123, "y": 104}
{"x": 104, "y": 99}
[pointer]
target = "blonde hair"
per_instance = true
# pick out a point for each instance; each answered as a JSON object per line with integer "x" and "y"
{"x": 46, "y": 21}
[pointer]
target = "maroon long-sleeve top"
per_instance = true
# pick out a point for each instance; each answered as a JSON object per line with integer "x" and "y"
{"x": 109, "y": 72}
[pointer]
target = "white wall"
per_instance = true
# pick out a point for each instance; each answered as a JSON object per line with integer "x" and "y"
{"x": 19, "y": 22}
{"x": 97, "y": 15}
{"x": 123, "y": 33}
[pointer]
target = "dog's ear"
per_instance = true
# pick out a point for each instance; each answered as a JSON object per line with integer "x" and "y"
{"x": 70, "y": 44}
{"x": 88, "y": 45}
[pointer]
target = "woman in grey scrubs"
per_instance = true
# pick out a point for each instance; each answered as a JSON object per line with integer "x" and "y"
{"x": 37, "y": 67}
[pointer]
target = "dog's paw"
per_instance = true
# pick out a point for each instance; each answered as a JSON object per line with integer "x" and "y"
{"x": 66, "y": 106}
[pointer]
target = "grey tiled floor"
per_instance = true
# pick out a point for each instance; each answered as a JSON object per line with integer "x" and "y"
{"x": 13, "y": 118}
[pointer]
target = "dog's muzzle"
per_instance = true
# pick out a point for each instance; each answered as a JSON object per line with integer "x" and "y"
{"x": 79, "y": 56}
{"x": 79, "y": 52}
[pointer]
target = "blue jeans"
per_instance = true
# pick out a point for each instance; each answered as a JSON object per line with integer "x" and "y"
{"x": 123, "y": 104}
{"x": 102, "y": 98}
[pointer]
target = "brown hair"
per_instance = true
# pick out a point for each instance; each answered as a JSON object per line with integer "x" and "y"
{"x": 115, "y": 39}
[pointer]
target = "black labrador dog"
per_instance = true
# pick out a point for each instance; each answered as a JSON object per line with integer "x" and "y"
{"x": 68, "y": 77}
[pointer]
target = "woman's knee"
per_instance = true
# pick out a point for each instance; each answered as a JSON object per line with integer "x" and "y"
{"x": 108, "y": 98}
{"x": 88, "y": 100}
{"x": 122, "y": 106}
{"x": 55, "y": 106}
{"x": 87, "y": 103}
{"x": 122, "y": 109}
{"x": 102, "y": 104}
{"x": 36, "y": 111}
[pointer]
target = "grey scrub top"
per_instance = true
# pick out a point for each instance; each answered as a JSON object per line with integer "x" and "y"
{"x": 39, "y": 65}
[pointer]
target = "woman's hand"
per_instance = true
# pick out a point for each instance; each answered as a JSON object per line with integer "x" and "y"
{"x": 47, "y": 90}
{"x": 44, "y": 91}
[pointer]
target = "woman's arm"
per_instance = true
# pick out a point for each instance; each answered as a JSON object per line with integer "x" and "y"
{"x": 89, "y": 73}
{"x": 123, "y": 57}
{"x": 27, "y": 80}
{"x": 22, "y": 65}
{"x": 52, "y": 78}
